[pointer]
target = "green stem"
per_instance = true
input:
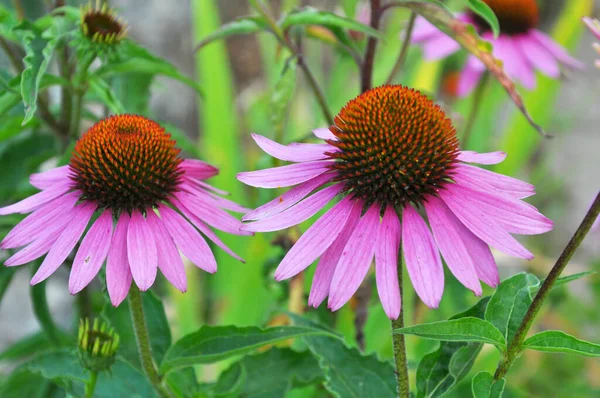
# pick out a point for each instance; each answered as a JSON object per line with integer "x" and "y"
{"x": 399, "y": 344}
{"x": 404, "y": 49}
{"x": 475, "y": 108}
{"x": 514, "y": 348}
{"x": 143, "y": 341}
{"x": 42, "y": 311}
{"x": 91, "y": 385}
{"x": 79, "y": 89}
{"x": 367, "y": 68}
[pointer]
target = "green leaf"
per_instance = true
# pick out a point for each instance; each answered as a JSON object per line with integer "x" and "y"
{"x": 156, "y": 320}
{"x": 464, "y": 329}
{"x": 133, "y": 91}
{"x": 440, "y": 371}
{"x": 105, "y": 93}
{"x": 281, "y": 97}
{"x": 557, "y": 341}
{"x": 241, "y": 26}
{"x": 63, "y": 368}
{"x": 6, "y": 274}
{"x": 510, "y": 302}
{"x": 23, "y": 383}
{"x": 485, "y": 12}
{"x": 215, "y": 343}
{"x": 29, "y": 346}
{"x": 136, "y": 59}
{"x": 270, "y": 374}
{"x": 565, "y": 279}
{"x": 484, "y": 386}
{"x": 312, "y": 16}
{"x": 348, "y": 373}
{"x": 183, "y": 382}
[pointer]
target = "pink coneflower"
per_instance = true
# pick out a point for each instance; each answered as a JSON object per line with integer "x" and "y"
{"x": 594, "y": 27}
{"x": 521, "y": 47}
{"x": 126, "y": 169}
{"x": 392, "y": 154}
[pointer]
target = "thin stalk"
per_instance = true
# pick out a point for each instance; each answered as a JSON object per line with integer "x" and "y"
{"x": 142, "y": 339}
{"x": 19, "y": 9}
{"x": 404, "y": 50}
{"x": 66, "y": 93}
{"x": 475, "y": 108}
{"x": 399, "y": 344}
{"x": 369, "y": 59}
{"x": 514, "y": 347}
{"x": 42, "y": 312}
{"x": 79, "y": 89}
{"x": 90, "y": 386}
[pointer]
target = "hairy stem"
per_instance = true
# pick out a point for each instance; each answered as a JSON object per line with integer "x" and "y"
{"x": 90, "y": 386}
{"x": 514, "y": 346}
{"x": 404, "y": 50}
{"x": 475, "y": 108}
{"x": 367, "y": 68}
{"x": 399, "y": 344}
{"x": 143, "y": 341}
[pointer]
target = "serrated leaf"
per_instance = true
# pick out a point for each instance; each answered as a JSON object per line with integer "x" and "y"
{"x": 312, "y": 16}
{"x": 485, "y": 12}
{"x": 557, "y": 341}
{"x": 348, "y": 373}
{"x": 241, "y": 26}
{"x": 510, "y": 302}
{"x": 105, "y": 93}
{"x": 215, "y": 343}
{"x": 484, "y": 386}
{"x": 468, "y": 329}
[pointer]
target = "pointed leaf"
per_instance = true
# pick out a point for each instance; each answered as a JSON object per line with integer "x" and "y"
{"x": 105, "y": 93}
{"x": 557, "y": 341}
{"x": 241, "y": 26}
{"x": 312, "y": 16}
{"x": 485, "y": 12}
{"x": 484, "y": 386}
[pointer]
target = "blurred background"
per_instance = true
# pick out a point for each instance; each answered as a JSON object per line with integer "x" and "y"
{"x": 240, "y": 78}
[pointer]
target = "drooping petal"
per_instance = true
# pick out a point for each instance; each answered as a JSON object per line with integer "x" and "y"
{"x": 48, "y": 178}
{"x": 288, "y": 199}
{"x": 141, "y": 251}
{"x": 559, "y": 52}
{"x": 65, "y": 242}
{"x": 485, "y": 265}
{"x": 439, "y": 47}
{"x": 92, "y": 253}
{"x": 446, "y": 231}
{"x": 188, "y": 240}
{"x": 34, "y": 201}
{"x": 525, "y": 71}
{"x": 298, "y": 152}
{"x": 355, "y": 260}
{"x": 35, "y": 249}
{"x": 328, "y": 261}
{"x": 422, "y": 258}
{"x": 481, "y": 158}
{"x": 386, "y": 263}
{"x": 315, "y": 240}
{"x": 509, "y": 185}
{"x": 470, "y": 76}
{"x": 204, "y": 229}
{"x": 296, "y": 214}
{"x": 284, "y": 176}
{"x": 118, "y": 273}
{"x": 324, "y": 133}
{"x": 198, "y": 169}
{"x": 37, "y": 223}
{"x": 483, "y": 226}
{"x": 169, "y": 260}
{"x": 538, "y": 56}
{"x": 424, "y": 30}
{"x": 211, "y": 198}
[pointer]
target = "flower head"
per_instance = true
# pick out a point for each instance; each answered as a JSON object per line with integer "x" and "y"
{"x": 101, "y": 24}
{"x": 127, "y": 170}
{"x": 97, "y": 347}
{"x": 594, "y": 26}
{"x": 521, "y": 47}
{"x": 391, "y": 156}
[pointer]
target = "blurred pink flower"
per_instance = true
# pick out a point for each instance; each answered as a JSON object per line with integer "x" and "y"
{"x": 521, "y": 47}
{"x": 126, "y": 168}
{"x": 594, "y": 26}
{"x": 392, "y": 151}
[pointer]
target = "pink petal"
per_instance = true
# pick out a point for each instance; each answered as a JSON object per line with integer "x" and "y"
{"x": 328, "y": 261}
{"x": 439, "y": 47}
{"x": 447, "y": 233}
{"x": 355, "y": 260}
{"x": 288, "y": 199}
{"x": 315, "y": 240}
{"x": 92, "y": 253}
{"x": 285, "y": 176}
{"x": 118, "y": 273}
{"x": 188, "y": 240}
{"x": 169, "y": 260}
{"x": 32, "y": 251}
{"x": 386, "y": 263}
{"x": 593, "y": 25}
{"x": 508, "y": 185}
{"x": 485, "y": 265}
{"x": 65, "y": 242}
{"x": 557, "y": 51}
{"x": 470, "y": 76}
{"x": 297, "y": 152}
{"x": 37, "y": 200}
{"x": 482, "y": 225}
{"x": 197, "y": 169}
{"x": 538, "y": 56}
{"x": 46, "y": 179}
{"x": 424, "y": 30}
{"x": 205, "y": 229}
{"x": 209, "y": 187}
{"x": 481, "y": 158}
{"x": 209, "y": 197}
{"x": 142, "y": 253}
{"x": 296, "y": 214}
{"x": 38, "y": 222}
{"x": 525, "y": 71}
{"x": 423, "y": 261}
{"x": 324, "y": 134}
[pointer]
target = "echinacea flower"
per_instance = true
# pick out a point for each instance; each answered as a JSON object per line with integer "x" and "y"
{"x": 101, "y": 25}
{"x": 127, "y": 169}
{"x": 521, "y": 47}
{"x": 594, "y": 27}
{"x": 391, "y": 156}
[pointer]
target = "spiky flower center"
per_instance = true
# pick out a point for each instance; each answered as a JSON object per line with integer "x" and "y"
{"x": 514, "y": 16}
{"x": 396, "y": 146}
{"x": 126, "y": 162}
{"x": 101, "y": 24}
